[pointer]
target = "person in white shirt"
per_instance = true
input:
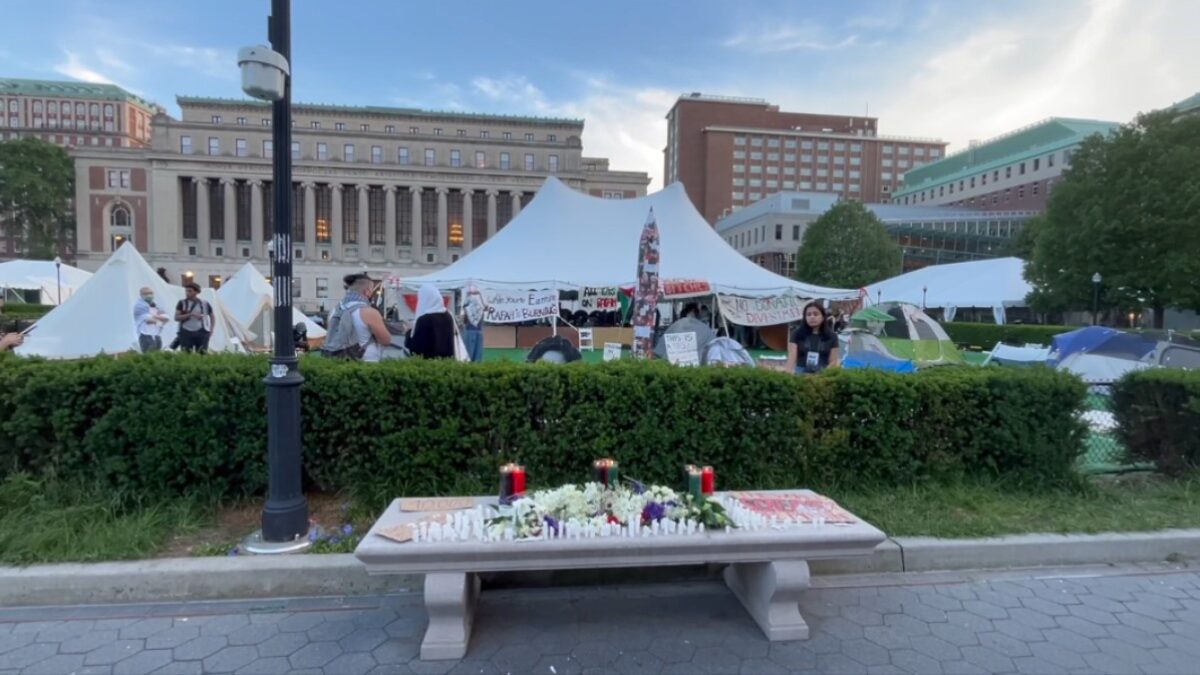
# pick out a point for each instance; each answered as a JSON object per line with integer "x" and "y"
{"x": 149, "y": 320}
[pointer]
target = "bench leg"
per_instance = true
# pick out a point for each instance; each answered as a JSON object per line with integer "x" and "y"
{"x": 770, "y": 592}
{"x": 450, "y": 603}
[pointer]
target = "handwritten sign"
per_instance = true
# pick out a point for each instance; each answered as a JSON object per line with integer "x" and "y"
{"x": 684, "y": 288}
{"x": 518, "y": 306}
{"x": 437, "y": 504}
{"x": 682, "y": 349}
{"x": 612, "y": 351}
{"x": 599, "y": 299}
{"x": 762, "y": 311}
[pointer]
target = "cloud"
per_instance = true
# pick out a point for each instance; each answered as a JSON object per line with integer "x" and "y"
{"x": 75, "y": 69}
{"x": 511, "y": 89}
{"x": 211, "y": 61}
{"x": 807, "y": 36}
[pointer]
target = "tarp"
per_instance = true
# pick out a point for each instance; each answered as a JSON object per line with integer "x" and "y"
{"x": 99, "y": 316}
{"x": 725, "y": 351}
{"x": 42, "y": 275}
{"x": 568, "y": 240}
{"x": 1018, "y": 356}
{"x": 996, "y": 283}
{"x": 250, "y": 298}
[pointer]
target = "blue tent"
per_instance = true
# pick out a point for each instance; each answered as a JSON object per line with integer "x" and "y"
{"x": 878, "y": 361}
{"x": 1079, "y": 340}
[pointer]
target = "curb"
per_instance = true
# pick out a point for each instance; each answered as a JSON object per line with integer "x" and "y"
{"x": 177, "y": 579}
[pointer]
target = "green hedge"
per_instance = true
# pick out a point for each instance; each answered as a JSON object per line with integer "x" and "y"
{"x": 170, "y": 423}
{"x": 1159, "y": 416}
{"x": 24, "y": 311}
{"x": 986, "y": 335}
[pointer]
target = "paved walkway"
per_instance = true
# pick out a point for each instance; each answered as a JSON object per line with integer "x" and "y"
{"x": 1128, "y": 620}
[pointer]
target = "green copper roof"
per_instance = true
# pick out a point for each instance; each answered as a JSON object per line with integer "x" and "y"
{"x": 1031, "y": 141}
{"x": 103, "y": 92}
{"x": 383, "y": 110}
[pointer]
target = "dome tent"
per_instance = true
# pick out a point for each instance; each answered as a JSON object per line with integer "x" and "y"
{"x": 863, "y": 350}
{"x": 916, "y": 337}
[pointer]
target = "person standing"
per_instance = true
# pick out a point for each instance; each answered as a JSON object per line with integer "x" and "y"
{"x": 473, "y": 324}
{"x": 813, "y": 346}
{"x": 195, "y": 317}
{"x": 149, "y": 320}
{"x": 432, "y": 335}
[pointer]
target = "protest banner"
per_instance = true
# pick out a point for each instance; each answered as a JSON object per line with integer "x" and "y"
{"x": 762, "y": 311}
{"x": 682, "y": 349}
{"x": 612, "y": 351}
{"x": 674, "y": 289}
{"x": 517, "y": 306}
{"x": 603, "y": 299}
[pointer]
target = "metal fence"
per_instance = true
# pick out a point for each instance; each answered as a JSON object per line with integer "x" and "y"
{"x": 1105, "y": 453}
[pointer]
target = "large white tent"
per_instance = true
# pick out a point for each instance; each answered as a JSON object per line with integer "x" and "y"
{"x": 997, "y": 283}
{"x": 568, "y": 240}
{"x": 42, "y": 276}
{"x": 99, "y": 316}
{"x": 250, "y": 298}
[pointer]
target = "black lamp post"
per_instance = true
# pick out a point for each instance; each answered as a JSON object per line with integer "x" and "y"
{"x": 924, "y": 293}
{"x": 1096, "y": 279}
{"x": 58, "y": 275}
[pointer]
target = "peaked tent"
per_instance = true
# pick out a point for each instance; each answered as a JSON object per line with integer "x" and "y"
{"x": 568, "y": 240}
{"x": 250, "y": 298}
{"x": 98, "y": 318}
{"x": 42, "y": 276}
{"x": 996, "y": 283}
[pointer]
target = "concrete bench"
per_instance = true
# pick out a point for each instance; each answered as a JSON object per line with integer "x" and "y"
{"x": 768, "y": 568}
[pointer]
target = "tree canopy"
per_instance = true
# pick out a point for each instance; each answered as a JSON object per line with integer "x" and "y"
{"x": 36, "y": 186}
{"x": 847, "y": 247}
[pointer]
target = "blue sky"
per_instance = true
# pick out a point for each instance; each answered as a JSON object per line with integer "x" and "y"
{"x": 952, "y": 70}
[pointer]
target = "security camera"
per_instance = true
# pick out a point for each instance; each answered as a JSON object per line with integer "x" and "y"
{"x": 264, "y": 72}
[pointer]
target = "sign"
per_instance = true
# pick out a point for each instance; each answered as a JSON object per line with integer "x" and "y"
{"x": 684, "y": 288}
{"x": 518, "y": 306}
{"x": 682, "y": 349}
{"x": 599, "y": 299}
{"x": 612, "y": 351}
{"x": 762, "y": 311}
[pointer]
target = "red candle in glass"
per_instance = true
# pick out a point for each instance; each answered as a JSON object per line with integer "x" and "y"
{"x": 708, "y": 480}
{"x": 518, "y": 480}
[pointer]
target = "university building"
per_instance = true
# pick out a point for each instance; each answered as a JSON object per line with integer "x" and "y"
{"x": 732, "y": 152}
{"x": 388, "y": 190}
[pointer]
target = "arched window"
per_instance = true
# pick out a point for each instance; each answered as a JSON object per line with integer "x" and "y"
{"x": 108, "y": 110}
{"x": 120, "y": 216}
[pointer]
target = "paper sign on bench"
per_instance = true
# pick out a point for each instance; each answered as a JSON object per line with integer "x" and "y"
{"x": 612, "y": 351}
{"x": 682, "y": 349}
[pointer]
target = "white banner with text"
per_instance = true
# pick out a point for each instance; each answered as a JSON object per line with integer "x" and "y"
{"x": 517, "y": 306}
{"x": 762, "y": 311}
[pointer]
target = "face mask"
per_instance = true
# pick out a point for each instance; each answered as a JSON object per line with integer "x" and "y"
{"x": 148, "y": 298}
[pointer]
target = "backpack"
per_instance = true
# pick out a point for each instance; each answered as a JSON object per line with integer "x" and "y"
{"x": 341, "y": 342}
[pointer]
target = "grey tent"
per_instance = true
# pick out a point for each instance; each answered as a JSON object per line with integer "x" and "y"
{"x": 704, "y": 335}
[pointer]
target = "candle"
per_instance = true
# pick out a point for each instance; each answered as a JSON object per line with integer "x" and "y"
{"x": 518, "y": 474}
{"x": 694, "y": 484}
{"x": 707, "y": 480}
{"x": 506, "y": 483}
{"x": 605, "y": 472}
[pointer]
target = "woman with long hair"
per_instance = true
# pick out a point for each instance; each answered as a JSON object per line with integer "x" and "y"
{"x": 813, "y": 346}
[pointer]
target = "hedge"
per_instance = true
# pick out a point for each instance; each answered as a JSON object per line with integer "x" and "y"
{"x": 169, "y": 423}
{"x": 1158, "y": 412}
{"x": 22, "y": 310}
{"x": 986, "y": 335}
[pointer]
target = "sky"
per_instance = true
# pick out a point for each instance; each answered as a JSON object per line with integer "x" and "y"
{"x": 957, "y": 70}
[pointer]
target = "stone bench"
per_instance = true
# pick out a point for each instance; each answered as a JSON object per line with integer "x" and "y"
{"x": 768, "y": 568}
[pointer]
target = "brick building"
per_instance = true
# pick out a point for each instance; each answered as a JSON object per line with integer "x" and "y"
{"x": 75, "y": 114}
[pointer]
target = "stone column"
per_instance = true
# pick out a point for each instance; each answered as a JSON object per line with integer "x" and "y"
{"x": 443, "y": 228}
{"x": 256, "y": 219}
{"x": 468, "y": 221}
{"x": 418, "y": 243}
{"x": 491, "y": 206}
{"x": 203, "y": 222}
{"x": 337, "y": 232}
{"x": 310, "y": 221}
{"x": 231, "y": 239}
{"x": 516, "y": 199}
{"x": 389, "y": 222}
{"x": 364, "y": 231}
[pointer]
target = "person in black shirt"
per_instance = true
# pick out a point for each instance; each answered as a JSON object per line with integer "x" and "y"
{"x": 432, "y": 335}
{"x": 813, "y": 346}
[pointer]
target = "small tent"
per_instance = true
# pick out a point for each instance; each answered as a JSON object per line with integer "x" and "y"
{"x": 1008, "y": 355}
{"x": 860, "y": 349}
{"x": 44, "y": 277}
{"x": 916, "y": 337}
{"x": 250, "y": 298}
{"x": 98, "y": 318}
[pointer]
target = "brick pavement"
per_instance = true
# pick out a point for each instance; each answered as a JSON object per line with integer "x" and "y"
{"x": 1132, "y": 620}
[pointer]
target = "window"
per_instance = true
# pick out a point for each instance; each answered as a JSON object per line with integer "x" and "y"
{"x": 856, "y": 174}
{"x": 483, "y": 134}
{"x": 430, "y": 157}
{"x": 903, "y": 164}
{"x": 552, "y": 163}
{"x": 739, "y": 182}
{"x": 80, "y": 109}
{"x": 507, "y": 135}
{"x": 996, "y": 175}
{"x": 455, "y": 158}
{"x": 855, "y": 187}
{"x": 529, "y": 137}
{"x": 838, "y": 187}
{"x": 778, "y": 232}
{"x": 480, "y": 159}
{"x": 839, "y": 160}
{"x": 904, "y": 150}
{"x": 340, "y": 126}
{"x": 806, "y": 172}
{"x": 886, "y": 175}
{"x": 806, "y": 159}
{"x": 1022, "y": 168}
{"x": 806, "y": 145}
{"x": 795, "y": 233}
{"x": 773, "y": 169}
{"x": 239, "y": 146}
{"x": 1034, "y": 189}
{"x": 414, "y": 130}
{"x": 364, "y": 127}
{"x": 505, "y": 160}
{"x": 739, "y": 154}
{"x": 755, "y": 169}
{"x": 838, "y": 173}
{"x": 295, "y": 149}
{"x": 437, "y": 131}
{"x": 772, "y": 142}
{"x": 552, "y": 138}
{"x": 739, "y": 140}
{"x": 389, "y": 129}
{"x": 755, "y": 196}
{"x": 983, "y": 179}
{"x": 402, "y": 156}
{"x": 789, "y": 171}
{"x": 241, "y": 121}
{"x": 855, "y": 161}
{"x": 322, "y": 287}
{"x": 1036, "y": 163}
{"x": 839, "y": 147}
{"x": 1008, "y": 172}
{"x": 934, "y": 153}
{"x": 822, "y": 173}
{"x": 756, "y": 142}
{"x": 773, "y": 184}
{"x": 972, "y": 181}
{"x": 756, "y": 155}
{"x": 461, "y": 133}
{"x": 772, "y": 156}
{"x": 806, "y": 185}
{"x": 266, "y": 121}
{"x": 529, "y": 163}
{"x": 322, "y": 151}
{"x": 755, "y": 182}
{"x": 739, "y": 195}
{"x": 1050, "y": 160}
{"x": 214, "y": 145}
{"x": 216, "y": 119}
{"x": 268, "y": 149}
{"x": 315, "y": 124}
{"x": 377, "y": 154}
{"x": 185, "y": 145}
{"x": 822, "y": 145}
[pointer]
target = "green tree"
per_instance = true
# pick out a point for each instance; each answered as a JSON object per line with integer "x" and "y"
{"x": 1129, "y": 209}
{"x": 36, "y": 186}
{"x": 847, "y": 247}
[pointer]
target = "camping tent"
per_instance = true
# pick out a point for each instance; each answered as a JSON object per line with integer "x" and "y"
{"x": 704, "y": 335}
{"x": 42, "y": 276}
{"x": 1008, "y": 355}
{"x": 863, "y": 350}
{"x": 1078, "y": 340}
{"x": 997, "y": 283}
{"x": 1103, "y": 355}
{"x": 916, "y": 337}
{"x": 1099, "y": 368}
{"x": 251, "y": 300}
{"x": 98, "y": 318}
{"x": 568, "y": 240}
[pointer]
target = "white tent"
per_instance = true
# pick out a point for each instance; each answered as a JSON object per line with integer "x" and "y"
{"x": 1017, "y": 356}
{"x": 996, "y": 283}
{"x": 568, "y": 240}
{"x": 99, "y": 316}
{"x": 1099, "y": 368}
{"x": 250, "y": 298}
{"x": 42, "y": 276}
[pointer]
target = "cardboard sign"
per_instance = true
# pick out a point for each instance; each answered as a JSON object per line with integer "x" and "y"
{"x": 518, "y": 306}
{"x": 684, "y": 288}
{"x": 599, "y": 299}
{"x": 437, "y": 504}
{"x": 612, "y": 351}
{"x": 762, "y": 311}
{"x": 682, "y": 349}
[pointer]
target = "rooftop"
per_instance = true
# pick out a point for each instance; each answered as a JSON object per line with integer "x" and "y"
{"x": 1029, "y": 141}
{"x": 380, "y": 110}
{"x": 71, "y": 89}
{"x": 697, "y": 96}
{"x": 1188, "y": 104}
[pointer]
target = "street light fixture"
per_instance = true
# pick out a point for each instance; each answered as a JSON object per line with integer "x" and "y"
{"x": 266, "y": 75}
{"x": 1096, "y": 279}
{"x": 58, "y": 275}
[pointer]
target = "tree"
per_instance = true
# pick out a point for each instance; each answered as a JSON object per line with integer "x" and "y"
{"x": 847, "y": 247}
{"x": 1129, "y": 209}
{"x": 36, "y": 186}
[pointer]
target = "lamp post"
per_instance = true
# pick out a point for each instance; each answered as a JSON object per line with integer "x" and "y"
{"x": 1096, "y": 279}
{"x": 924, "y": 293}
{"x": 285, "y": 515}
{"x": 58, "y": 276}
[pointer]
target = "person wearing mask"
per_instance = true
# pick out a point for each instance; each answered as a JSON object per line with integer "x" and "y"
{"x": 473, "y": 324}
{"x": 195, "y": 317}
{"x": 432, "y": 335}
{"x": 813, "y": 346}
{"x": 149, "y": 320}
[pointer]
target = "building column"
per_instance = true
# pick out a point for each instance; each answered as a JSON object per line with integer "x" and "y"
{"x": 468, "y": 223}
{"x": 443, "y": 229}
{"x": 256, "y": 219}
{"x": 389, "y": 226}
{"x": 310, "y": 221}
{"x": 203, "y": 222}
{"x": 337, "y": 232}
{"x": 491, "y": 207}
{"x": 418, "y": 233}
{"x": 364, "y": 231}
{"x": 231, "y": 239}
{"x": 516, "y": 199}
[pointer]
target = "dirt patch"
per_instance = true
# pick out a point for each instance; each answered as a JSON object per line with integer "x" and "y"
{"x": 233, "y": 523}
